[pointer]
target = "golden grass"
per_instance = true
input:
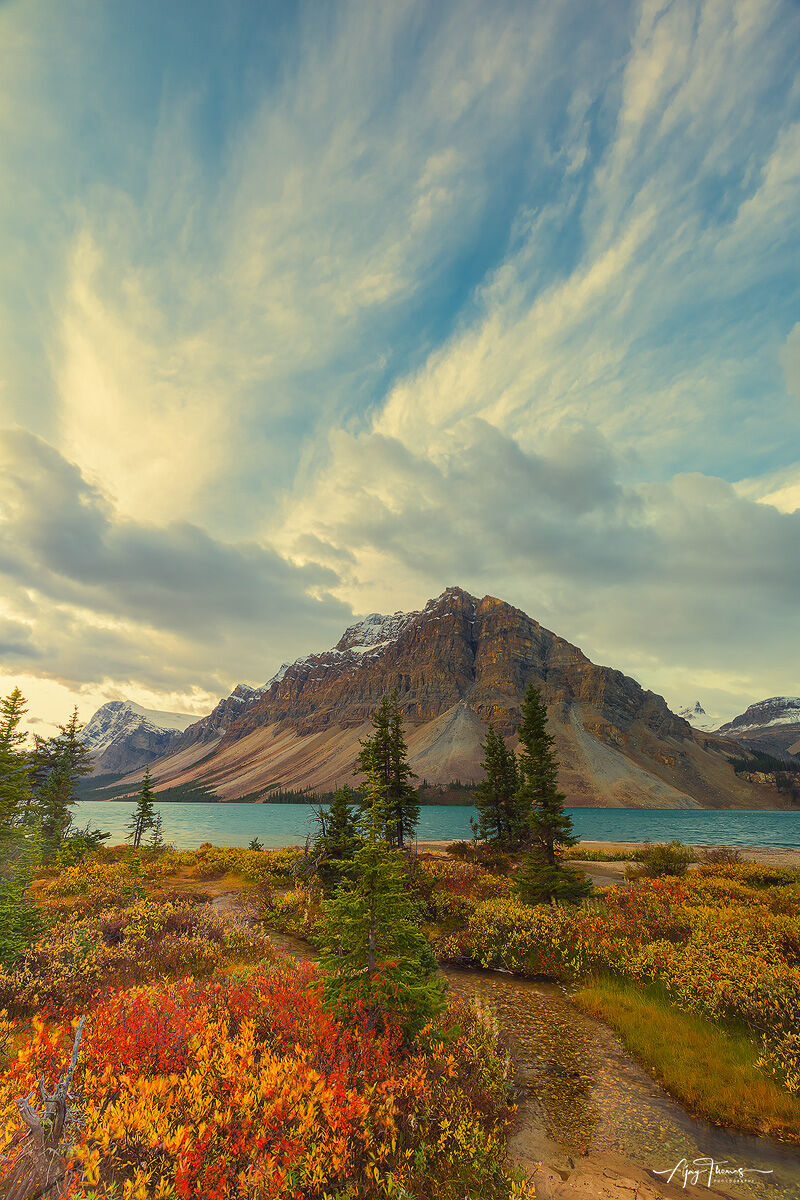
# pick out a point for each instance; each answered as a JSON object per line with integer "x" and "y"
{"x": 712, "y": 1071}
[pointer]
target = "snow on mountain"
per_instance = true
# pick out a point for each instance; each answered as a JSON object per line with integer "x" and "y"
{"x": 777, "y": 710}
{"x": 771, "y": 725}
{"x": 698, "y": 718}
{"x": 119, "y": 718}
{"x": 122, "y": 735}
{"x": 374, "y": 632}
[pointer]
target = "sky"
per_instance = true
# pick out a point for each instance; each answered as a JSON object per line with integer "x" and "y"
{"x": 312, "y": 310}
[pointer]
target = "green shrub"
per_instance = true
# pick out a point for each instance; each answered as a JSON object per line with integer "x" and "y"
{"x": 662, "y": 861}
{"x": 20, "y": 922}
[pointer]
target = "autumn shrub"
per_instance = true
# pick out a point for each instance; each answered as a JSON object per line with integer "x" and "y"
{"x": 714, "y": 856}
{"x": 660, "y": 861}
{"x": 296, "y": 912}
{"x": 72, "y": 961}
{"x": 754, "y": 875}
{"x": 252, "y": 1089}
{"x": 484, "y": 854}
{"x": 716, "y": 942}
{"x": 583, "y": 854}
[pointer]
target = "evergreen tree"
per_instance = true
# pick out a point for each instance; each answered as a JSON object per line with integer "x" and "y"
{"x": 156, "y": 842}
{"x": 15, "y": 762}
{"x": 543, "y": 876}
{"x": 386, "y": 752}
{"x": 499, "y": 819}
{"x": 54, "y": 800}
{"x": 58, "y": 764}
{"x": 143, "y": 816}
{"x": 20, "y": 920}
{"x": 374, "y": 752}
{"x": 402, "y": 798}
{"x": 66, "y": 744}
{"x": 540, "y": 882}
{"x": 376, "y": 958}
{"x": 338, "y": 840}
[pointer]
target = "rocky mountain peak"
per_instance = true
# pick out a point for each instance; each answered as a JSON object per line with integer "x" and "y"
{"x": 771, "y": 725}
{"x": 457, "y": 664}
{"x": 122, "y": 735}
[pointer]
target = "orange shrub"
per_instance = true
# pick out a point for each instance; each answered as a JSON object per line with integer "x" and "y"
{"x": 224, "y": 1089}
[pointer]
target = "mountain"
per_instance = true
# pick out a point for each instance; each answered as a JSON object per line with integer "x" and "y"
{"x": 698, "y": 718}
{"x": 770, "y": 725}
{"x": 457, "y": 664}
{"x": 123, "y": 737}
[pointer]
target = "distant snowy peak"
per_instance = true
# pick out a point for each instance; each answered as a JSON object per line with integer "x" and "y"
{"x": 771, "y": 725}
{"x": 119, "y": 718}
{"x": 777, "y": 710}
{"x": 123, "y": 736}
{"x": 698, "y": 718}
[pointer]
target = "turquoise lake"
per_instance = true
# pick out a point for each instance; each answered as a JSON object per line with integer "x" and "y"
{"x": 187, "y": 825}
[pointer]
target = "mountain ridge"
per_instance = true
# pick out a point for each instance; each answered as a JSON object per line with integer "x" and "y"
{"x": 123, "y": 736}
{"x": 771, "y": 725}
{"x": 457, "y": 664}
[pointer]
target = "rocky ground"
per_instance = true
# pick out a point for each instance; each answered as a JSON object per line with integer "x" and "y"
{"x": 609, "y": 1177}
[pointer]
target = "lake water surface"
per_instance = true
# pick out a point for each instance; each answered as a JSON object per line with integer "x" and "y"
{"x": 187, "y": 825}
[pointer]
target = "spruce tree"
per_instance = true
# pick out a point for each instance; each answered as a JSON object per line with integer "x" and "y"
{"x": 54, "y": 800}
{"x": 376, "y": 958}
{"x": 338, "y": 840}
{"x": 495, "y": 798}
{"x": 15, "y": 762}
{"x": 19, "y": 846}
{"x": 386, "y": 752}
{"x": 543, "y": 876}
{"x": 143, "y": 816}
{"x": 402, "y": 797}
{"x": 156, "y": 842}
{"x": 374, "y": 751}
{"x": 66, "y": 745}
{"x": 58, "y": 763}
{"x": 20, "y": 919}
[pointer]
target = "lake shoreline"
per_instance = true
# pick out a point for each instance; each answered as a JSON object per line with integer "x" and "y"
{"x": 189, "y": 824}
{"x": 766, "y": 856}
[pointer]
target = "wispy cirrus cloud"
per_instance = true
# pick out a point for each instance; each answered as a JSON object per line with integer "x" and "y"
{"x": 362, "y": 305}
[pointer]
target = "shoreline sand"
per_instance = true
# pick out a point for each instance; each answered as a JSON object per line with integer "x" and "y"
{"x": 767, "y": 856}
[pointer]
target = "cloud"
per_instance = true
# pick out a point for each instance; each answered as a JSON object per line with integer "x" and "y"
{"x": 16, "y": 642}
{"x": 653, "y": 328}
{"x": 491, "y": 293}
{"x": 105, "y": 597}
{"x": 673, "y": 577}
{"x": 790, "y": 358}
{"x": 207, "y": 306}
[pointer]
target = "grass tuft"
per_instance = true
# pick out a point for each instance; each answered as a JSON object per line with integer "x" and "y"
{"x": 711, "y": 1070}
